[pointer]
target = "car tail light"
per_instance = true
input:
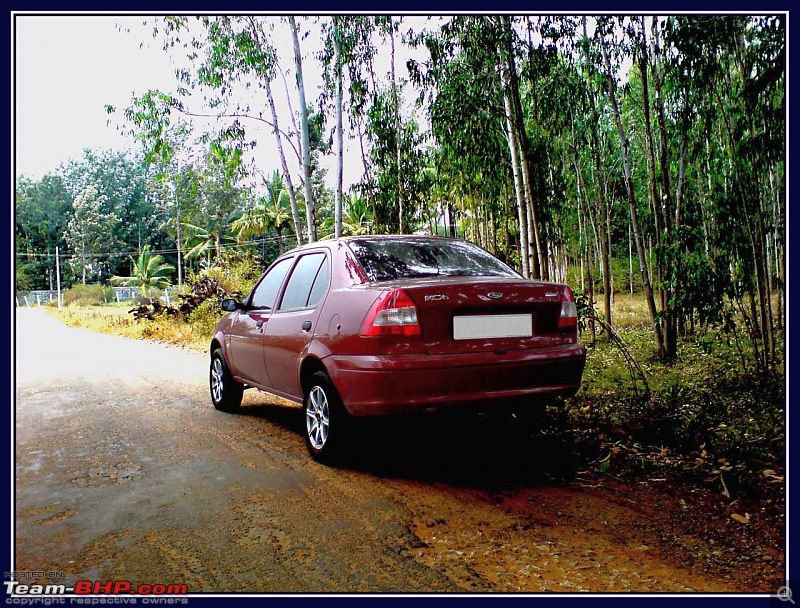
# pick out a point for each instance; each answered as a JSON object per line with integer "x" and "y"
{"x": 392, "y": 314}
{"x": 569, "y": 311}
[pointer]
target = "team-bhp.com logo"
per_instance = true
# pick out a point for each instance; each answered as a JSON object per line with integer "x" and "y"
{"x": 19, "y": 588}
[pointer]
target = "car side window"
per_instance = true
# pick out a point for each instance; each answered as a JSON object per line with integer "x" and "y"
{"x": 320, "y": 285}
{"x": 267, "y": 290}
{"x": 298, "y": 289}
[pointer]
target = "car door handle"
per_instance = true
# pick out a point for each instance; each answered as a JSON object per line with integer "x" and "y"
{"x": 306, "y": 326}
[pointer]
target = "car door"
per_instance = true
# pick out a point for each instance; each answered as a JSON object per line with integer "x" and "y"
{"x": 246, "y": 346}
{"x": 291, "y": 325}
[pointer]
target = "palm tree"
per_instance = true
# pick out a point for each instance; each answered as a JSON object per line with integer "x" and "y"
{"x": 201, "y": 241}
{"x": 259, "y": 219}
{"x": 357, "y": 216}
{"x": 270, "y": 212}
{"x": 148, "y": 271}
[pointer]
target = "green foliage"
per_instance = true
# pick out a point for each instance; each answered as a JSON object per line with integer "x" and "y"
{"x": 90, "y": 232}
{"x": 149, "y": 271}
{"x": 204, "y": 318}
{"x": 42, "y": 211}
{"x": 702, "y": 401}
{"x": 235, "y": 271}
{"x": 25, "y": 276}
{"x": 700, "y": 115}
{"x": 385, "y": 183}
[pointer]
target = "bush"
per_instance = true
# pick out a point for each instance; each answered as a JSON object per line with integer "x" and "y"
{"x": 204, "y": 318}
{"x": 88, "y": 295}
{"x": 234, "y": 271}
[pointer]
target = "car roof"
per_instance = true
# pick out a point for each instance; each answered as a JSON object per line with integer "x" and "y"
{"x": 372, "y": 237}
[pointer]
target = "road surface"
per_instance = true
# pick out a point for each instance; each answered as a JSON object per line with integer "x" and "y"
{"x": 125, "y": 471}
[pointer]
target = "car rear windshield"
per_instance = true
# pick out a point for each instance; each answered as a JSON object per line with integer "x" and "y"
{"x": 398, "y": 258}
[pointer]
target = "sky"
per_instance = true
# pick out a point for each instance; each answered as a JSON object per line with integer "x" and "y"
{"x": 67, "y": 68}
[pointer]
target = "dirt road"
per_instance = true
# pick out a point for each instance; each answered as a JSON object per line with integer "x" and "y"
{"x": 126, "y": 471}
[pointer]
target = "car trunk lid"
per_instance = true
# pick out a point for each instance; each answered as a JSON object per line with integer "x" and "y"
{"x": 485, "y": 314}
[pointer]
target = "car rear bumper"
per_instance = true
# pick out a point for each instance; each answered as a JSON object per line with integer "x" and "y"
{"x": 384, "y": 385}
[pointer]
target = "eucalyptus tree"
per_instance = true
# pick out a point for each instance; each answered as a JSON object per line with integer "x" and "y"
{"x": 737, "y": 69}
{"x": 361, "y": 53}
{"x": 473, "y": 81}
{"x": 387, "y": 180}
{"x": 334, "y": 57}
{"x": 465, "y": 122}
{"x": 226, "y": 55}
{"x": 588, "y": 108}
{"x": 754, "y": 119}
{"x": 346, "y": 46}
{"x": 305, "y": 150}
{"x": 236, "y": 50}
{"x": 602, "y": 39}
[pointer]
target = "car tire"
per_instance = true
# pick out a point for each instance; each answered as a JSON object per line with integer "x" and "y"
{"x": 226, "y": 393}
{"x": 326, "y": 420}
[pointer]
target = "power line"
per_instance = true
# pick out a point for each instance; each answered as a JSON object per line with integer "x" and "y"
{"x": 156, "y": 251}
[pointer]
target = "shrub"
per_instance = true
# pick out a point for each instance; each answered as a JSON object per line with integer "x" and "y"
{"x": 235, "y": 271}
{"x": 88, "y": 295}
{"x": 204, "y": 318}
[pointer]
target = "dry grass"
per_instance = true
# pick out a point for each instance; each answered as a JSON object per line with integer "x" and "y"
{"x": 628, "y": 311}
{"x": 118, "y": 321}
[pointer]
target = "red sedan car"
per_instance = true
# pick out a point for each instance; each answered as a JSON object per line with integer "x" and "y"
{"x": 379, "y": 325}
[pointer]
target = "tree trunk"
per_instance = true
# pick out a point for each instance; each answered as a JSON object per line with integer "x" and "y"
{"x": 538, "y": 264}
{"x": 178, "y": 239}
{"x": 337, "y": 62}
{"x": 296, "y": 223}
{"x": 669, "y": 316}
{"x": 398, "y": 142}
{"x": 602, "y": 209}
{"x": 657, "y": 200}
{"x": 637, "y": 233}
{"x": 305, "y": 143}
{"x": 522, "y": 207}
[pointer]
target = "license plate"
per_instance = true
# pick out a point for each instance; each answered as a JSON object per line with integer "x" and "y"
{"x": 476, "y": 327}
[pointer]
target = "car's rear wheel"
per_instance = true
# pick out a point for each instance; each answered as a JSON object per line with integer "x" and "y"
{"x": 326, "y": 418}
{"x": 226, "y": 393}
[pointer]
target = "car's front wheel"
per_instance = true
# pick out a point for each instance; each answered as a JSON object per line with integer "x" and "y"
{"x": 326, "y": 418}
{"x": 226, "y": 393}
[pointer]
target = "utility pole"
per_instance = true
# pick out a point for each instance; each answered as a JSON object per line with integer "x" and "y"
{"x": 58, "y": 278}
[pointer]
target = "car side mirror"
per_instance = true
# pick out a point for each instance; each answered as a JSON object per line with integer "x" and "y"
{"x": 229, "y": 305}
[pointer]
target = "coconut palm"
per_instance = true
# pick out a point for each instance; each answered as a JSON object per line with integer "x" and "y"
{"x": 357, "y": 216}
{"x": 270, "y": 212}
{"x": 201, "y": 241}
{"x": 148, "y": 271}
